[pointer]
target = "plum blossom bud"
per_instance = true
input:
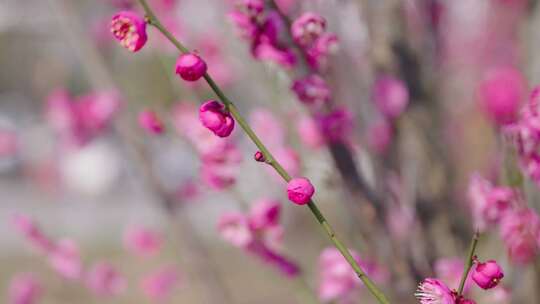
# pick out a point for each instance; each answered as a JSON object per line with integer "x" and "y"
{"x": 215, "y": 117}
{"x": 300, "y": 190}
{"x": 501, "y": 93}
{"x": 105, "y": 280}
{"x": 390, "y": 96}
{"x": 142, "y": 241}
{"x": 312, "y": 90}
{"x": 487, "y": 275}
{"x": 149, "y": 121}
{"x": 130, "y": 29}
{"x": 431, "y": 291}
{"x": 259, "y": 156}
{"x": 25, "y": 288}
{"x": 234, "y": 228}
{"x": 307, "y": 28}
{"x": 190, "y": 67}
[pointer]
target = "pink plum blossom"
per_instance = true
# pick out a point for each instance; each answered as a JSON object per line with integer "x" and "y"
{"x": 149, "y": 121}
{"x": 433, "y": 291}
{"x": 25, "y": 288}
{"x": 216, "y": 118}
{"x": 65, "y": 259}
{"x": 159, "y": 285}
{"x": 142, "y": 241}
{"x": 487, "y": 274}
{"x": 129, "y": 29}
{"x": 390, "y": 95}
{"x": 520, "y": 231}
{"x": 103, "y": 279}
{"x": 300, "y": 190}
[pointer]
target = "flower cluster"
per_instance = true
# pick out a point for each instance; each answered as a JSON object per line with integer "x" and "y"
{"x": 519, "y": 226}
{"x": 64, "y": 257}
{"x": 525, "y": 134}
{"x": 259, "y": 233}
{"x": 263, "y": 29}
{"x": 337, "y": 280}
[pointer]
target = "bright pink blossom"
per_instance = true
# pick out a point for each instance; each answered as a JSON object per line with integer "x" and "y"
{"x": 142, "y": 241}
{"x": 216, "y": 118}
{"x": 390, "y": 95}
{"x": 317, "y": 55}
{"x": 488, "y": 274}
{"x": 105, "y": 280}
{"x": 190, "y": 67}
{"x": 160, "y": 284}
{"x": 300, "y": 190}
{"x": 307, "y": 28}
{"x": 433, "y": 291}
{"x": 130, "y": 29}
{"x": 149, "y": 121}
{"x": 25, "y": 288}
{"x": 312, "y": 90}
{"x": 337, "y": 125}
{"x": 264, "y": 213}
{"x": 234, "y": 228}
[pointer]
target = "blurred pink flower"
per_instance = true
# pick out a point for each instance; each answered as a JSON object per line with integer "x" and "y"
{"x": 450, "y": 270}
{"x": 234, "y": 228}
{"x": 105, "y": 280}
{"x": 25, "y": 288}
{"x": 337, "y": 280}
{"x": 264, "y": 213}
{"x": 379, "y": 136}
{"x": 337, "y": 125}
{"x": 501, "y": 93}
{"x": 268, "y": 126}
{"x": 312, "y": 90}
{"x": 142, "y": 241}
{"x": 149, "y": 121}
{"x": 307, "y": 28}
{"x": 317, "y": 55}
{"x": 159, "y": 285}
{"x": 9, "y": 143}
{"x": 390, "y": 95}
{"x": 309, "y": 132}
{"x": 29, "y": 229}
{"x": 520, "y": 231}
{"x": 66, "y": 260}
{"x": 488, "y": 203}
{"x": 218, "y": 176}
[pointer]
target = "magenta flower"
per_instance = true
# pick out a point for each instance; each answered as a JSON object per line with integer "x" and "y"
{"x": 234, "y": 228}
{"x": 307, "y": 28}
{"x": 487, "y": 275}
{"x": 390, "y": 95}
{"x": 312, "y": 90}
{"x": 326, "y": 45}
{"x": 501, "y": 94}
{"x": 130, "y": 29}
{"x": 264, "y": 213}
{"x": 216, "y": 118}
{"x": 142, "y": 241}
{"x": 25, "y": 288}
{"x": 267, "y": 52}
{"x": 433, "y": 291}
{"x": 462, "y": 300}
{"x": 337, "y": 125}
{"x": 159, "y": 285}
{"x": 105, "y": 280}
{"x": 520, "y": 231}
{"x": 66, "y": 260}
{"x": 269, "y": 256}
{"x": 300, "y": 190}
{"x": 149, "y": 121}
{"x": 190, "y": 67}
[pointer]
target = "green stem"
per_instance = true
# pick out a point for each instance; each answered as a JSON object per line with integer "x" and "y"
{"x": 374, "y": 290}
{"x": 469, "y": 262}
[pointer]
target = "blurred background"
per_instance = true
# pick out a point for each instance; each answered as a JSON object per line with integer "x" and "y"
{"x": 97, "y": 209}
